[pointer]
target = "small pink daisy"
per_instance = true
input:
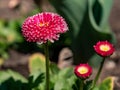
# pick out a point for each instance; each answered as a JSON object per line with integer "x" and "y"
{"x": 104, "y": 48}
{"x": 43, "y": 27}
{"x": 83, "y": 71}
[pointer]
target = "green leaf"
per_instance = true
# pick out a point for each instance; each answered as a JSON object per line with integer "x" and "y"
{"x": 62, "y": 85}
{"x": 66, "y": 73}
{"x": 16, "y": 76}
{"x": 99, "y": 9}
{"x": 35, "y": 80}
{"x": 37, "y": 63}
{"x": 10, "y": 80}
{"x": 107, "y": 84}
{"x": 88, "y": 85}
{"x": 54, "y": 69}
{"x": 4, "y": 75}
{"x": 11, "y": 84}
{"x": 65, "y": 79}
{"x": 73, "y": 11}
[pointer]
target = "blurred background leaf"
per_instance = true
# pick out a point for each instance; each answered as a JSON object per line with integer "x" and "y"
{"x": 107, "y": 84}
{"x": 36, "y": 63}
{"x": 4, "y": 75}
{"x": 88, "y": 23}
{"x": 9, "y": 35}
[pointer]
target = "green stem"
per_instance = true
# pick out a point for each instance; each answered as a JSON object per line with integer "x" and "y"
{"x": 47, "y": 66}
{"x": 98, "y": 73}
{"x": 81, "y": 84}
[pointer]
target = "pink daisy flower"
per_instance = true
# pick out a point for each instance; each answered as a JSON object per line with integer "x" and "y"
{"x": 44, "y": 27}
{"x": 83, "y": 71}
{"x": 104, "y": 48}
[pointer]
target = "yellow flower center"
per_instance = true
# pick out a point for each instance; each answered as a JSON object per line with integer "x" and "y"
{"x": 104, "y": 48}
{"x": 43, "y": 24}
{"x": 82, "y": 70}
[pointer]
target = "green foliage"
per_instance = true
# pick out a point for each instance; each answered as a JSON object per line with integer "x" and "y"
{"x": 9, "y": 34}
{"x": 88, "y": 85}
{"x": 54, "y": 69}
{"x": 64, "y": 80}
{"x": 58, "y": 78}
{"x": 37, "y": 63}
{"x": 107, "y": 84}
{"x": 88, "y": 23}
{"x": 10, "y": 80}
{"x": 4, "y": 75}
{"x": 35, "y": 80}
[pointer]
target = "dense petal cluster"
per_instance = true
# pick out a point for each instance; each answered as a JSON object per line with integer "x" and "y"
{"x": 104, "y": 48}
{"x": 43, "y": 27}
{"x": 83, "y": 71}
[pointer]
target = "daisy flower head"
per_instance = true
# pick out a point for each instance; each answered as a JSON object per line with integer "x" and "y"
{"x": 104, "y": 48}
{"x": 83, "y": 71}
{"x": 43, "y": 27}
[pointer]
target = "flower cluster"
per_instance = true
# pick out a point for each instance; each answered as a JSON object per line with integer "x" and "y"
{"x": 43, "y": 27}
{"x": 102, "y": 48}
{"x": 48, "y": 26}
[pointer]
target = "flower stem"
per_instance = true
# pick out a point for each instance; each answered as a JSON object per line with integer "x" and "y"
{"x": 47, "y": 66}
{"x": 98, "y": 74}
{"x": 81, "y": 84}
